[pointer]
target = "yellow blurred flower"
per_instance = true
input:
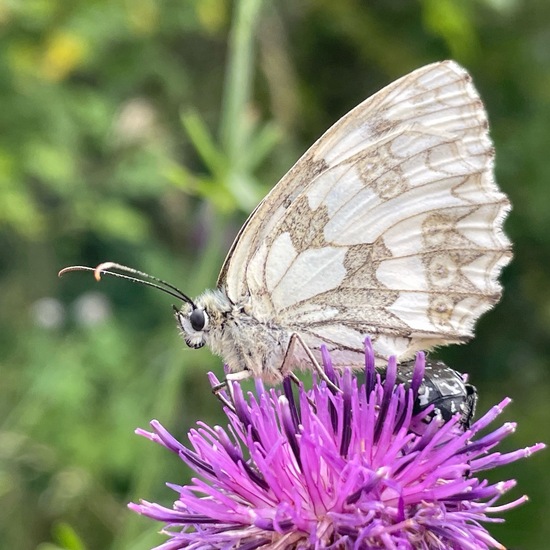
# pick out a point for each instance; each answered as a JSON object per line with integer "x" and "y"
{"x": 213, "y": 14}
{"x": 64, "y": 51}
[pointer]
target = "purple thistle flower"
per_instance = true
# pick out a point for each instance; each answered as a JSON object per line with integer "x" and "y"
{"x": 332, "y": 469}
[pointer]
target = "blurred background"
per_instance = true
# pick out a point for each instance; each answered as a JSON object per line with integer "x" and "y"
{"x": 144, "y": 132}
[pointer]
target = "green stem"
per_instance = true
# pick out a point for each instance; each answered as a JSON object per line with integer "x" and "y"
{"x": 233, "y": 136}
{"x": 238, "y": 78}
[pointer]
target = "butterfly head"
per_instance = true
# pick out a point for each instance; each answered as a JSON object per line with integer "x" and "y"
{"x": 201, "y": 320}
{"x": 194, "y": 323}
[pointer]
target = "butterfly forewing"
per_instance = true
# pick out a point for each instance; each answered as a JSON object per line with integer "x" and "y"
{"x": 389, "y": 225}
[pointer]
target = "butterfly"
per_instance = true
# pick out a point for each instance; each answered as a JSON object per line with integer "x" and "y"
{"x": 390, "y": 225}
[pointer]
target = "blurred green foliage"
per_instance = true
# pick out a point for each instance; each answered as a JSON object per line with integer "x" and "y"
{"x": 144, "y": 132}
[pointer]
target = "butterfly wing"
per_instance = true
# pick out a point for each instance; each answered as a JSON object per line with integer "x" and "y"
{"x": 389, "y": 225}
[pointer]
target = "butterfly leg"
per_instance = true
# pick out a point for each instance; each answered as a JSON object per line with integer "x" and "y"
{"x": 299, "y": 384}
{"x": 294, "y": 379}
{"x": 217, "y": 391}
{"x": 226, "y": 385}
{"x": 231, "y": 377}
{"x": 296, "y": 338}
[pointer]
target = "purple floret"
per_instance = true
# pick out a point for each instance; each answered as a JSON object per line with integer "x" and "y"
{"x": 317, "y": 468}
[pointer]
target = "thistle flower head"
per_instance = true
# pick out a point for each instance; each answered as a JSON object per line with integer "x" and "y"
{"x": 316, "y": 468}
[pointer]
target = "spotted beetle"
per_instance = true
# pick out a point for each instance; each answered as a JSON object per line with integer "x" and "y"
{"x": 444, "y": 388}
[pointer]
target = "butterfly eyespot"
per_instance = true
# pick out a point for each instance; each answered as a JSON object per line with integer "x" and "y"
{"x": 198, "y": 319}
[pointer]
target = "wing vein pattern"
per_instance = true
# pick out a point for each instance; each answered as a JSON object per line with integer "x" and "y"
{"x": 389, "y": 225}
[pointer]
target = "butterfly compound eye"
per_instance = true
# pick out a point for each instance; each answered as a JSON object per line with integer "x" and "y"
{"x": 198, "y": 319}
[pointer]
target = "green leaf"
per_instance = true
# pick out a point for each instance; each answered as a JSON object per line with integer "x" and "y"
{"x": 204, "y": 144}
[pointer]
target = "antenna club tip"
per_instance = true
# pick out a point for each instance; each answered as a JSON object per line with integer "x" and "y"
{"x": 107, "y": 268}
{"x": 102, "y": 267}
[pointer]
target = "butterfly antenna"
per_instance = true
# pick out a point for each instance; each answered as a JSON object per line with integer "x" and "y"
{"x": 105, "y": 267}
